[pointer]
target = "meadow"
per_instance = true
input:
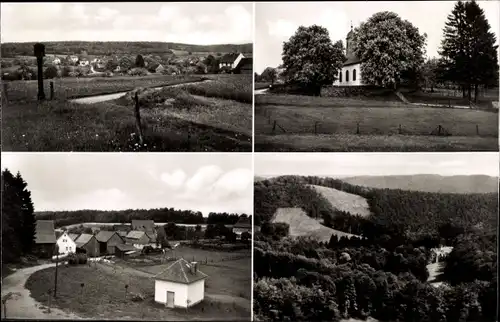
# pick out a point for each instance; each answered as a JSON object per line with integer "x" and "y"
{"x": 302, "y": 123}
{"x": 207, "y": 121}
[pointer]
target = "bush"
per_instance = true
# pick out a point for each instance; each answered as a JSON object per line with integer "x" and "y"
{"x": 137, "y": 297}
{"x": 138, "y": 72}
{"x": 51, "y": 72}
{"x": 75, "y": 259}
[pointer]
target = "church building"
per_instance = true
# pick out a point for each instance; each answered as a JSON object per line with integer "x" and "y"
{"x": 350, "y": 75}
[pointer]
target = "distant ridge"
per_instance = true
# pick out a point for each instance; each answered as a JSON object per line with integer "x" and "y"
{"x": 429, "y": 183}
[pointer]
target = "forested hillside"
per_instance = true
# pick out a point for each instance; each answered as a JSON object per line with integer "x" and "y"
{"x": 64, "y": 218}
{"x": 112, "y": 48}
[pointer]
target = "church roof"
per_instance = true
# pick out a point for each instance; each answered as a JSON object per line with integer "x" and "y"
{"x": 351, "y": 60}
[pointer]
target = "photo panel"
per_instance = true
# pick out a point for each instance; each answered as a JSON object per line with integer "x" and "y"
{"x": 375, "y": 236}
{"x": 127, "y": 77}
{"x": 376, "y": 76}
{"x": 140, "y": 236}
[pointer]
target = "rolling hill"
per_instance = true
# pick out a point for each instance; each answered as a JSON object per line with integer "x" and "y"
{"x": 344, "y": 201}
{"x": 303, "y": 225}
{"x": 429, "y": 183}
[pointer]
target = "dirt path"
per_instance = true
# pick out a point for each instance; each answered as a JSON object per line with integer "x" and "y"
{"x": 434, "y": 269}
{"x": 21, "y": 305}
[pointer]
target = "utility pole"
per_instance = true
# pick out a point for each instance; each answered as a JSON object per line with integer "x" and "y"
{"x": 39, "y": 50}
{"x": 55, "y": 281}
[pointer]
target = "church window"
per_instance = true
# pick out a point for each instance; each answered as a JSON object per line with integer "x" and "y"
{"x": 340, "y": 77}
{"x": 346, "y": 75}
{"x": 354, "y": 75}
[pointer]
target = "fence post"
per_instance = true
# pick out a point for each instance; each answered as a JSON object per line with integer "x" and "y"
{"x": 51, "y": 90}
{"x": 316, "y": 128}
{"x": 399, "y": 129}
{"x": 439, "y": 129}
{"x": 5, "y": 91}
{"x": 477, "y": 129}
{"x": 357, "y": 128}
{"x": 138, "y": 119}
{"x": 274, "y": 126}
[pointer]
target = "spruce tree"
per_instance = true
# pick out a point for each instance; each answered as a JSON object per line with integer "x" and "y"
{"x": 27, "y": 233}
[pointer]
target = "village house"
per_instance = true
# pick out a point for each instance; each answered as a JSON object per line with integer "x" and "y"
{"x": 83, "y": 62}
{"x": 66, "y": 244}
{"x": 108, "y": 241}
{"x": 230, "y": 60}
{"x": 45, "y": 238}
{"x": 73, "y": 236}
{"x": 137, "y": 238}
{"x": 350, "y": 75}
{"x": 122, "y": 250}
{"x": 56, "y": 61}
{"x": 245, "y": 66}
{"x": 243, "y": 225}
{"x": 88, "y": 244}
{"x": 181, "y": 284}
{"x": 160, "y": 69}
{"x": 72, "y": 59}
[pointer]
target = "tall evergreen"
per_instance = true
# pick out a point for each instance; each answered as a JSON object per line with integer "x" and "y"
{"x": 469, "y": 54}
{"x": 27, "y": 234}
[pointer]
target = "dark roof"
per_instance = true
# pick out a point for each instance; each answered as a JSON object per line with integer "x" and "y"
{"x": 125, "y": 247}
{"x": 151, "y": 236}
{"x": 229, "y": 58}
{"x": 122, "y": 233}
{"x": 104, "y": 235}
{"x": 180, "y": 272}
{"x": 245, "y": 62}
{"x": 351, "y": 60}
{"x": 59, "y": 234}
{"x": 122, "y": 227}
{"x": 144, "y": 225}
{"x": 73, "y": 236}
{"x": 243, "y": 223}
{"x": 45, "y": 233}
{"x": 83, "y": 239}
{"x": 135, "y": 234}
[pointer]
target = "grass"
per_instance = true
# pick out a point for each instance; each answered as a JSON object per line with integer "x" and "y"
{"x": 261, "y": 85}
{"x": 232, "y": 87}
{"x": 383, "y": 126}
{"x": 191, "y": 123}
{"x": 303, "y": 225}
{"x": 344, "y": 201}
{"x": 103, "y": 296}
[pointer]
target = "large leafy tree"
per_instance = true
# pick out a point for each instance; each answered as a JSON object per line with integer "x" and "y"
{"x": 389, "y": 47}
{"x": 468, "y": 48}
{"x": 269, "y": 74}
{"x": 310, "y": 58}
{"x": 18, "y": 219}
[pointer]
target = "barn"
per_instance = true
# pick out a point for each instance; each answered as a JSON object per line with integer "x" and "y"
{"x": 143, "y": 225}
{"x": 89, "y": 244}
{"x": 245, "y": 66}
{"x": 137, "y": 238}
{"x": 66, "y": 244}
{"x": 108, "y": 240}
{"x": 45, "y": 238}
{"x": 122, "y": 250}
{"x": 181, "y": 284}
{"x": 73, "y": 236}
{"x": 243, "y": 225}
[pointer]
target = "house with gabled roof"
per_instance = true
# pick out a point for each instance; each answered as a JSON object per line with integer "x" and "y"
{"x": 45, "y": 238}
{"x": 181, "y": 284}
{"x": 230, "y": 61}
{"x": 65, "y": 244}
{"x": 245, "y": 66}
{"x": 89, "y": 244}
{"x": 108, "y": 240}
{"x": 137, "y": 238}
{"x": 73, "y": 236}
{"x": 244, "y": 224}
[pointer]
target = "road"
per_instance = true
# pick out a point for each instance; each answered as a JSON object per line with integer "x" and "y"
{"x": 434, "y": 269}
{"x": 21, "y": 305}
{"x": 260, "y": 91}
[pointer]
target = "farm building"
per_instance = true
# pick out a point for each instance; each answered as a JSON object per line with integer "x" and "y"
{"x": 89, "y": 244}
{"x": 143, "y": 225}
{"x": 137, "y": 238}
{"x": 243, "y": 225}
{"x": 122, "y": 250}
{"x": 108, "y": 241}
{"x": 66, "y": 244}
{"x": 73, "y": 236}
{"x": 350, "y": 75}
{"x": 83, "y": 62}
{"x": 230, "y": 60}
{"x": 56, "y": 61}
{"x": 45, "y": 238}
{"x": 181, "y": 284}
{"x": 122, "y": 227}
{"x": 245, "y": 66}
{"x": 122, "y": 233}
{"x": 160, "y": 69}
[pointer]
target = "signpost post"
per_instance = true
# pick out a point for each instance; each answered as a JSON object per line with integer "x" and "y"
{"x": 39, "y": 54}
{"x": 55, "y": 280}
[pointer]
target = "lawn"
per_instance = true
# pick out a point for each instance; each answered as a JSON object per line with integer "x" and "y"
{"x": 344, "y": 124}
{"x": 190, "y": 123}
{"x": 103, "y": 296}
{"x": 344, "y": 201}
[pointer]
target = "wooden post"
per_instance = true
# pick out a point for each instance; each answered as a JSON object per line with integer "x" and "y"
{"x": 138, "y": 119}
{"x": 357, "y": 128}
{"x": 39, "y": 50}
{"x": 439, "y": 129}
{"x": 126, "y": 289}
{"x": 477, "y": 129}
{"x": 81, "y": 293}
{"x": 274, "y": 126}
{"x": 4, "y": 303}
{"x": 316, "y": 128}
{"x": 5, "y": 91}
{"x": 55, "y": 280}
{"x": 399, "y": 129}
{"x": 51, "y": 90}
{"x": 449, "y": 103}
{"x": 49, "y": 292}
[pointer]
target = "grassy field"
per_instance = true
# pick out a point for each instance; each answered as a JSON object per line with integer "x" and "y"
{"x": 383, "y": 126}
{"x": 262, "y": 85}
{"x": 344, "y": 201}
{"x": 303, "y": 225}
{"x": 188, "y": 124}
{"x": 103, "y": 296}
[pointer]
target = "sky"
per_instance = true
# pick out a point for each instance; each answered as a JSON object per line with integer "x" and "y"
{"x": 277, "y": 22}
{"x": 376, "y": 164}
{"x": 117, "y": 181}
{"x": 203, "y": 23}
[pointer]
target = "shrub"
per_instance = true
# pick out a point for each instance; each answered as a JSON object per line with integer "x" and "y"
{"x": 138, "y": 72}
{"x": 51, "y": 72}
{"x": 82, "y": 258}
{"x": 137, "y": 297}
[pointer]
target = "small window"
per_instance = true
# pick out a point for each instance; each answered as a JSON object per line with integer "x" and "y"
{"x": 346, "y": 75}
{"x": 354, "y": 75}
{"x": 340, "y": 77}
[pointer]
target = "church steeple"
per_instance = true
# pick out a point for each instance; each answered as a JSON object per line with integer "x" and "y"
{"x": 348, "y": 46}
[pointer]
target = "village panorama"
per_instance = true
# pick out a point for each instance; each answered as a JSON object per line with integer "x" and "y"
{"x": 99, "y": 85}
{"x": 157, "y": 263}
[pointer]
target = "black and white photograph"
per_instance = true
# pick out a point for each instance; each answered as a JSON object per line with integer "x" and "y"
{"x": 130, "y": 76}
{"x": 376, "y": 76}
{"x": 372, "y": 237}
{"x": 113, "y": 236}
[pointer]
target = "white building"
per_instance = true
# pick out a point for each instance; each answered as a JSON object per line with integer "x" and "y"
{"x": 230, "y": 60}
{"x": 83, "y": 62}
{"x": 350, "y": 75}
{"x": 243, "y": 225}
{"x": 56, "y": 61}
{"x": 66, "y": 244}
{"x": 181, "y": 284}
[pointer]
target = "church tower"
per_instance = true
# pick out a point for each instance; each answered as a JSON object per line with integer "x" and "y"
{"x": 349, "y": 46}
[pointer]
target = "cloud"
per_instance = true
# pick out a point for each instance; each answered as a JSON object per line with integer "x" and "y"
{"x": 105, "y": 14}
{"x": 204, "y": 177}
{"x": 174, "y": 180}
{"x": 235, "y": 181}
{"x": 281, "y": 28}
